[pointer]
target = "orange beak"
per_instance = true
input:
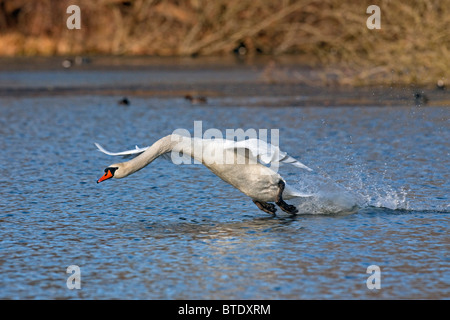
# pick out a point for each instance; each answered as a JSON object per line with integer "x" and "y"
{"x": 106, "y": 176}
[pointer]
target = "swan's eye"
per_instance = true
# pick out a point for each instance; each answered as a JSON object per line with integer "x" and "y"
{"x": 112, "y": 170}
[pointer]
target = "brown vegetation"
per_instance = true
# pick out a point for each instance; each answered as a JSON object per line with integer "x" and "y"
{"x": 413, "y": 45}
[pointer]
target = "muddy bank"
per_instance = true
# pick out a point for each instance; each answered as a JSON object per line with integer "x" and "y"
{"x": 408, "y": 44}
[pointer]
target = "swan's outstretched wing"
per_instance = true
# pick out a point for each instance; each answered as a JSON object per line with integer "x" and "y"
{"x": 266, "y": 153}
{"x": 126, "y": 154}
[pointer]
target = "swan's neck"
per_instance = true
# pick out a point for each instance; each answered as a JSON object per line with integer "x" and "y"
{"x": 160, "y": 147}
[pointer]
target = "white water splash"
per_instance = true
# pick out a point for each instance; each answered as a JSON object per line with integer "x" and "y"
{"x": 388, "y": 198}
{"x": 330, "y": 197}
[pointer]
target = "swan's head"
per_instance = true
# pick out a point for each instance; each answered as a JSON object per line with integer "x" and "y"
{"x": 113, "y": 171}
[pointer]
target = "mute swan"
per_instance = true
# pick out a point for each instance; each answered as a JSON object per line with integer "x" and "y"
{"x": 234, "y": 162}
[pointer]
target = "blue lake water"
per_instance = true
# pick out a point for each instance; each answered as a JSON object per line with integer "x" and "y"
{"x": 179, "y": 232}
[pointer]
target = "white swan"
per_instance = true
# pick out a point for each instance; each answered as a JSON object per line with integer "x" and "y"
{"x": 238, "y": 163}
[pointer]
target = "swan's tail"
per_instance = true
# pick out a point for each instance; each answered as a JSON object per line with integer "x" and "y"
{"x": 290, "y": 192}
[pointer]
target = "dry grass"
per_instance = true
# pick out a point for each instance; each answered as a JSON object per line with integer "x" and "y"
{"x": 413, "y": 45}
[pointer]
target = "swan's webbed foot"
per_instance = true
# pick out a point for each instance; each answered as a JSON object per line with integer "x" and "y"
{"x": 280, "y": 202}
{"x": 287, "y": 207}
{"x": 266, "y": 207}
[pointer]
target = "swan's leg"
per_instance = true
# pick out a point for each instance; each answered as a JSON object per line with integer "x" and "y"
{"x": 280, "y": 202}
{"x": 266, "y": 207}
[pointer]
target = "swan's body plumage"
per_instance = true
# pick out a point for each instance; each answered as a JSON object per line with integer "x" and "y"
{"x": 249, "y": 165}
